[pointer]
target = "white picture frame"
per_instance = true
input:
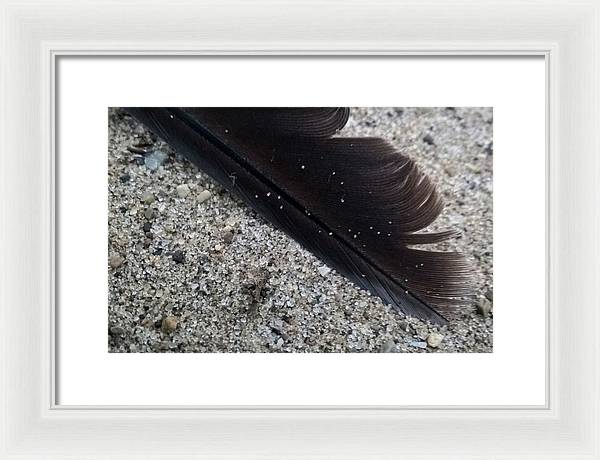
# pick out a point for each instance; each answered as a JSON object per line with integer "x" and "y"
{"x": 33, "y": 35}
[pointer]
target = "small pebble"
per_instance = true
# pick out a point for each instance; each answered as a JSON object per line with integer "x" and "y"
{"x": 148, "y": 198}
{"x": 489, "y": 149}
{"x": 418, "y": 344}
{"x": 473, "y": 168}
{"x": 387, "y": 346}
{"x": 484, "y": 307}
{"x": 149, "y": 213}
{"x": 227, "y": 235}
{"x": 137, "y": 150}
{"x": 404, "y": 326}
{"x": 434, "y": 339}
{"x": 179, "y": 257}
{"x": 421, "y": 332}
{"x": 125, "y": 178}
{"x": 155, "y": 159}
{"x": 117, "y": 330}
{"x": 115, "y": 261}
{"x": 169, "y": 324}
{"x": 147, "y": 227}
{"x": 489, "y": 294}
{"x": 450, "y": 171}
{"x": 203, "y": 196}
{"x": 183, "y": 190}
{"x": 428, "y": 139}
{"x": 324, "y": 271}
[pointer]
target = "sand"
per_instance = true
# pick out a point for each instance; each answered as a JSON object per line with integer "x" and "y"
{"x": 192, "y": 269}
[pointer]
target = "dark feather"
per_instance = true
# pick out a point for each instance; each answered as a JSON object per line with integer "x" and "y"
{"x": 356, "y": 203}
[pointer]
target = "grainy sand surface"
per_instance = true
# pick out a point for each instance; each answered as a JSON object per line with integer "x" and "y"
{"x": 189, "y": 273}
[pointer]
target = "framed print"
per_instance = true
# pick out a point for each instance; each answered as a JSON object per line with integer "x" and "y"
{"x": 269, "y": 230}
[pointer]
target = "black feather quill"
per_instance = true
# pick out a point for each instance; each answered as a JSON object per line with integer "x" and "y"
{"x": 356, "y": 203}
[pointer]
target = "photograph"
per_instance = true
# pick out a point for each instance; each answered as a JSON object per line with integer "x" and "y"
{"x": 300, "y": 230}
